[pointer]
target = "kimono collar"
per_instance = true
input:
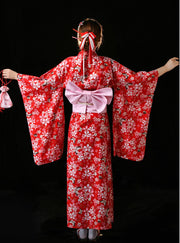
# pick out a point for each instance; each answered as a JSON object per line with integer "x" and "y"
{"x": 84, "y": 53}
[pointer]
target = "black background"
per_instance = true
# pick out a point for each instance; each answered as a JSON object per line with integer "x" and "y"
{"x": 141, "y": 36}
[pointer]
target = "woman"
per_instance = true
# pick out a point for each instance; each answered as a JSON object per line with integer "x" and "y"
{"x": 88, "y": 80}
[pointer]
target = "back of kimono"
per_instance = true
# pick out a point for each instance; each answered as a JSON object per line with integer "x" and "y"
{"x": 89, "y": 172}
{"x": 89, "y": 89}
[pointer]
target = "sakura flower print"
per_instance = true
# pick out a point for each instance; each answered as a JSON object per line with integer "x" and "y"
{"x": 89, "y": 171}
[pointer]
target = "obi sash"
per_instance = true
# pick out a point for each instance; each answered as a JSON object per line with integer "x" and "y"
{"x": 86, "y": 101}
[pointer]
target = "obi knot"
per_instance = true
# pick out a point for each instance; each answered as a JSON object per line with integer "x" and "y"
{"x": 86, "y": 92}
{"x": 88, "y": 101}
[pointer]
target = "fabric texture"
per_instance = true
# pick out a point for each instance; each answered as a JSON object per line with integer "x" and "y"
{"x": 89, "y": 170}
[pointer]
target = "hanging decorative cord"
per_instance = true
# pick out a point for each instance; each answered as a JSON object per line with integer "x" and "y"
{"x": 91, "y": 36}
{"x": 5, "y": 100}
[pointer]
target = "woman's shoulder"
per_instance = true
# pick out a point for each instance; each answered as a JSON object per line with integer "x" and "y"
{"x": 67, "y": 61}
{"x": 108, "y": 59}
{"x": 105, "y": 59}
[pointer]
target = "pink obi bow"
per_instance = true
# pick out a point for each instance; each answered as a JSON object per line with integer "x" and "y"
{"x": 88, "y": 101}
{"x": 5, "y": 100}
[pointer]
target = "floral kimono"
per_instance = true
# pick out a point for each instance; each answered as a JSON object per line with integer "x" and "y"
{"x": 89, "y": 171}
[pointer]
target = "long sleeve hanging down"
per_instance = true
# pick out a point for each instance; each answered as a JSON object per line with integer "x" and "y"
{"x": 43, "y": 101}
{"x": 133, "y": 97}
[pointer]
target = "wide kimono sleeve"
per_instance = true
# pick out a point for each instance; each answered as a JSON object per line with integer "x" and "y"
{"x": 133, "y": 97}
{"x": 43, "y": 101}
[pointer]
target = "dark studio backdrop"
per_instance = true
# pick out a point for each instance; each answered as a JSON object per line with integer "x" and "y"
{"x": 139, "y": 36}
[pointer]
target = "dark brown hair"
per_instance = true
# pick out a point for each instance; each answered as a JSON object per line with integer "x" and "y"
{"x": 91, "y": 25}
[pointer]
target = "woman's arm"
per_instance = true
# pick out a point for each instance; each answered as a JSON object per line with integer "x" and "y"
{"x": 171, "y": 64}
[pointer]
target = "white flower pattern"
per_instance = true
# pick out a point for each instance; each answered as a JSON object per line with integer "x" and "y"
{"x": 89, "y": 172}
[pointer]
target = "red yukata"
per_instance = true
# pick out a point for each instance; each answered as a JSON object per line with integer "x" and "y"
{"x": 89, "y": 172}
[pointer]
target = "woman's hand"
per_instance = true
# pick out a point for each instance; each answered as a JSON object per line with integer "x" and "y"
{"x": 171, "y": 64}
{"x": 9, "y": 74}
